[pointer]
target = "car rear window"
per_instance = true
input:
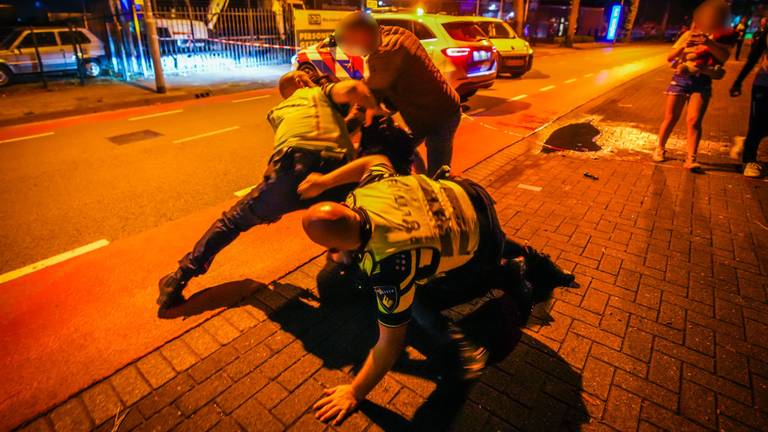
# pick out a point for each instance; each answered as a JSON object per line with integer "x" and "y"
{"x": 497, "y": 30}
{"x": 420, "y": 30}
{"x": 464, "y": 31}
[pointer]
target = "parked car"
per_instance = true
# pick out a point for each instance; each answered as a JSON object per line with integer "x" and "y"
{"x": 515, "y": 54}
{"x": 458, "y": 47}
{"x": 55, "y": 44}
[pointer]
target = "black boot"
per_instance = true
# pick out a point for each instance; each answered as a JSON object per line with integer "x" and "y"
{"x": 171, "y": 286}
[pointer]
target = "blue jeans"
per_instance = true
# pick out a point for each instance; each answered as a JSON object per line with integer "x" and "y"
{"x": 439, "y": 143}
{"x": 266, "y": 203}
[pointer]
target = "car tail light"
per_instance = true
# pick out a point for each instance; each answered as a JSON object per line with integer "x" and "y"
{"x": 457, "y": 52}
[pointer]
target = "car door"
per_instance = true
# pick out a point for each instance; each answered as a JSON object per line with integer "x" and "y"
{"x": 51, "y": 53}
{"x": 80, "y": 39}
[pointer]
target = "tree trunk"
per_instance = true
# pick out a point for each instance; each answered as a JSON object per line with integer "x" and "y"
{"x": 573, "y": 21}
{"x": 519, "y": 9}
{"x": 629, "y": 24}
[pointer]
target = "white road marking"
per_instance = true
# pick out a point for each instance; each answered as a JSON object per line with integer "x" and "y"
{"x": 589, "y": 75}
{"x": 547, "y": 88}
{"x": 160, "y": 114}
{"x": 243, "y": 192}
{"x": 15, "y": 274}
{"x": 477, "y": 111}
{"x": 207, "y": 134}
{"x": 625, "y": 105}
{"x": 517, "y": 98}
{"x": 529, "y": 187}
{"x": 251, "y": 98}
{"x": 10, "y": 140}
{"x": 571, "y": 80}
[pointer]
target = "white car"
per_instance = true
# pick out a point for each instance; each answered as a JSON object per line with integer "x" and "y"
{"x": 458, "y": 47}
{"x": 55, "y": 45}
{"x": 515, "y": 54}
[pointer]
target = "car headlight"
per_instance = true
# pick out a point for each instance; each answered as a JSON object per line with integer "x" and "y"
{"x": 294, "y": 59}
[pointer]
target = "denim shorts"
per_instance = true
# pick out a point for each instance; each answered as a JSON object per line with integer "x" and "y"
{"x": 690, "y": 84}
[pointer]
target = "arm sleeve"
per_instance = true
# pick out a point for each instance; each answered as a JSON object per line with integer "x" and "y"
{"x": 384, "y": 69}
{"x": 757, "y": 50}
{"x": 394, "y": 287}
{"x": 342, "y": 109}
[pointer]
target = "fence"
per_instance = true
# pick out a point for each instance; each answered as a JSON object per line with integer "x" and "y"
{"x": 192, "y": 40}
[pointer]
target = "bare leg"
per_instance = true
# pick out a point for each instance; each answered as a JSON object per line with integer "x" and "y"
{"x": 697, "y": 107}
{"x": 672, "y": 112}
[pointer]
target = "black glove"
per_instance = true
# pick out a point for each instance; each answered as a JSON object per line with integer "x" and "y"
{"x": 735, "y": 91}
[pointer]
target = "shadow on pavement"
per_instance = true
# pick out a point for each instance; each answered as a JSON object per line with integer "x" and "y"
{"x": 219, "y": 296}
{"x": 575, "y": 137}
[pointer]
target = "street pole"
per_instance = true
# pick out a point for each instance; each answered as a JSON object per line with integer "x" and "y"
{"x": 477, "y": 8}
{"x": 154, "y": 47}
{"x": 40, "y": 66}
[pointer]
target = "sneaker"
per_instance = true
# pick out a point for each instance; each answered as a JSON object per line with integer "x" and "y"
{"x": 473, "y": 358}
{"x": 659, "y": 155}
{"x": 171, "y": 286}
{"x": 694, "y": 167}
{"x": 753, "y": 170}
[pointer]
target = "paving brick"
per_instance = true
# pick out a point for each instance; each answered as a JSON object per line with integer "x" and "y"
{"x": 668, "y": 420}
{"x": 179, "y": 355}
{"x": 685, "y": 354}
{"x": 71, "y": 416}
{"x": 300, "y": 400}
{"x": 595, "y": 301}
{"x": 282, "y": 360}
{"x": 101, "y": 402}
{"x": 665, "y": 371}
{"x": 597, "y": 377}
{"x": 242, "y": 390}
{"x": 622, "y": 410}
{"x": 221, "y": 329}
{"x": 619, "y": 360}
{"x": 130, "y": 385}
{"x": 254, "y": 336}
{"x": 240, "y": 319}
{"x": 308, "y": 423}
{"x": 272, "y": 394}
{"x": 507, "y": 409}
{"x": 575, "y": 349}
{"x": 203, "y": 393}
{"x": 717, "y": 384}
{"x": 213, "y": 363}
{"x": 646, "y": 389}
{"x": 300, "y": 371}
{"x": 638, "y": 344}
{"x": 227, "y": 424}
{"x": 596, "y": 335}
{"x": 41, "y": 424}
{"x": 745, "y": 414}
{"x": 700, "y": 338}
{"x": 383, "y": 393}
{"x": 615, "y": 321}
{"x": 165, "y": 395}
{"x": 156, "y": 369}
{"x": 698, "y": 404}
{"x": 201, "y": 342}
{"x": 204, "y": 419}
{"x": 163, "y": 421}
{"x": 248, "y": 362}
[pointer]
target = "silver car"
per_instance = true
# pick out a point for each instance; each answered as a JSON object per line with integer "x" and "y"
{"x": 56, "y": 47}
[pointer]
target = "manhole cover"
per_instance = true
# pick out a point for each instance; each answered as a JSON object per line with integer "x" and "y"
{"x": 132, "y": 137}
{"x": 575, "y": 137}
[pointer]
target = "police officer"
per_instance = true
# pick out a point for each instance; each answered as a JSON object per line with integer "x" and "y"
{"x": 310, "y": 135}
{"x": 404, "y": 231}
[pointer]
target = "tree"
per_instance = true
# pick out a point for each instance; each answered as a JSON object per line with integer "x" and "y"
{"x": 629, "y": 24}
{"x": 573, "y": 21}
{"x": 519, "y": 9}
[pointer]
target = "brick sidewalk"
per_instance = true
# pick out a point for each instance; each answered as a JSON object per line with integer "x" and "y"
{"x": 667, "y": 331}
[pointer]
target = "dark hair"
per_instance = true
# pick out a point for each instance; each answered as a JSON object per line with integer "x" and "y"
{"x": 385, "y": 137}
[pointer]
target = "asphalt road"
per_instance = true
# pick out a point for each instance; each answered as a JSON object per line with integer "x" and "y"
{"x": 65, "y": 184}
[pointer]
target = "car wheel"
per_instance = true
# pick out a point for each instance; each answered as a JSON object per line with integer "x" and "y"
{"x": 515, "y": 75}
{"x": 309, "y": 69}
{"x": 92, "y": 68}
{"x": 5, "y": 75}
{"x": 465, "y": 96}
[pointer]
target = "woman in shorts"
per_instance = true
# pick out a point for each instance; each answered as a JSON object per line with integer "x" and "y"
{"x": 695, "y": 89}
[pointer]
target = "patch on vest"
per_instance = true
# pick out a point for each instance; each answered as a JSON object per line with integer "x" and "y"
{"x": 387, "y": 297}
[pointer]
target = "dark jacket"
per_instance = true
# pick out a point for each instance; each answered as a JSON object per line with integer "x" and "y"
{"x": 402, "y": 74}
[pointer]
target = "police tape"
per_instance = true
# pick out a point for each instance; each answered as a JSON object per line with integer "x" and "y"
{"x": 256, "y": 44}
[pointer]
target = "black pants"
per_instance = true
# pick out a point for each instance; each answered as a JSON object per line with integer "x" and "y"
{"x": 739, "y": 45}
{"x": 266, "y": 203}
{"x": 472, "y": 280}
{"x": 758, "y": 123}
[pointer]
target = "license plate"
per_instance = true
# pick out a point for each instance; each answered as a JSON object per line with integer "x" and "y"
{"x": 479, "y": 56}
{"x": 514, "y": 62}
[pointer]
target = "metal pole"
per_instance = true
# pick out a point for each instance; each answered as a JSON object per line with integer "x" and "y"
{"x": 154, "y": 47}
{"x": 77, "y": 54}
{"x": 39, "y": 59}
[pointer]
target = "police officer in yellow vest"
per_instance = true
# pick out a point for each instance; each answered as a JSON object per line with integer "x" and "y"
{"x": 310, "y": 135}
{"x": 405, "y": 232}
